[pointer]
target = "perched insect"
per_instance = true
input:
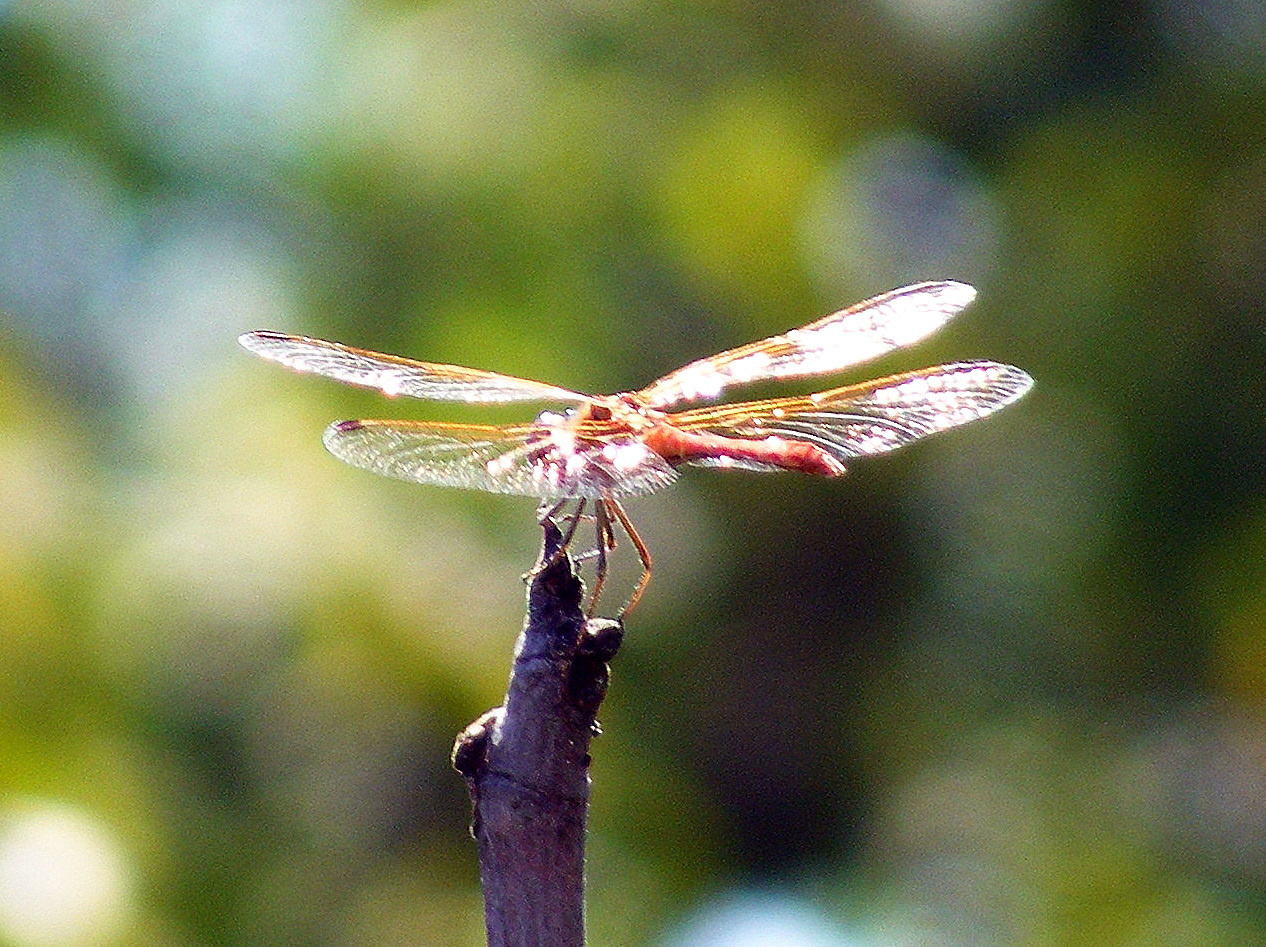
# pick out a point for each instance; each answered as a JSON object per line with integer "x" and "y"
{"x": 607, "y": 447}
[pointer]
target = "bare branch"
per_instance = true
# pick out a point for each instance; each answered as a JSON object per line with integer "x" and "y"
{"x": 527, "y": 764}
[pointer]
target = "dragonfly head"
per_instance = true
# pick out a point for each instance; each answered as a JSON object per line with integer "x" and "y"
{"x": 590, "y": 411}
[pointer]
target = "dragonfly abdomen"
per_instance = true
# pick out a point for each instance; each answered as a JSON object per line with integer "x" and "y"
{"x": 716, "y": 450}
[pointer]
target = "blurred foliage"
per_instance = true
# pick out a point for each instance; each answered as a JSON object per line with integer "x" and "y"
{"x": 1002, "y": 688}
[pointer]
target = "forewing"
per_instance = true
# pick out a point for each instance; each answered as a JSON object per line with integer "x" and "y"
{"x": 873, "y": 417}
{"x": 537, "y": 460}
{"x": 394, "y": 375}
{"x": 848, "y": 337}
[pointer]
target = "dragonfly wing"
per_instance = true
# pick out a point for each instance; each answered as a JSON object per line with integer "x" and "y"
{"x": 394, "y": 375}
{"x": 833, "y": 343}
{"x": 537, "y": 460}
{"x": 869, "y": 418}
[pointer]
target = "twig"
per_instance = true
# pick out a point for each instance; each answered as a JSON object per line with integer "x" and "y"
{"x": 527, "y": 764}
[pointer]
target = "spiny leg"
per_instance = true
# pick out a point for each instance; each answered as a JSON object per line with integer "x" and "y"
{"x": 546, "y": 513}
{"x": 571, "y": 527}
{"x": 607, "y": 513}
{"x": 613, "y": 508}
{"x": 605, "y": 542}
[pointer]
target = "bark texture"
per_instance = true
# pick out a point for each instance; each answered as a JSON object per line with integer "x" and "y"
{"x": 526, "y": 764}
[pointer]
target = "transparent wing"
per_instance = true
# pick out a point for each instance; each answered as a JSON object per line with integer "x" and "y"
{"x": 848, "y": 337}
{"x": 870, "y": 418}
{"x": 537, "y": 460}
{"x": 394, "y": 375}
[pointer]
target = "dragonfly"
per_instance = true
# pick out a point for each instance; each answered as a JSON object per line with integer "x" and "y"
{"x": 605, "y": 448}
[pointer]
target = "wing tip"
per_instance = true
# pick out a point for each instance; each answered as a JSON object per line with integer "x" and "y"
{"x": 954, "y": 295}
{"x": 334, "y": 439}
{"x": 258, "y": 340}
{"x": 343, "y": 427}
{"x": 1016, "y": 381}
{"x": 1023, "y": 380}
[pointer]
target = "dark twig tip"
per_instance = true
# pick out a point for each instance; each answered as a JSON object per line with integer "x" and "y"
{"x": 554, "y": 580}
{"x": 553, "y": 538}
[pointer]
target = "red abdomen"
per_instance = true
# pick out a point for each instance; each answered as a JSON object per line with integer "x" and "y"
{"x": 679, "y": 447}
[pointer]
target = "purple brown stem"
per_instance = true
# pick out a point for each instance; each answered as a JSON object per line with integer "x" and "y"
{"x": 526, "y": 764}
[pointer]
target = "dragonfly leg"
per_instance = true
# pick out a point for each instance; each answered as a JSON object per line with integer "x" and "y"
{"x": 614, "y": 508}
{"x": 606, "y": 515}
{"x": 547, "y": 512}
{"x": 568, "y": 536}
{"x": 605, "y": 542}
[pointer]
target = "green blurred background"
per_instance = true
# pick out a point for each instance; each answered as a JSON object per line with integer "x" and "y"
{"x": 1004, "y": 687}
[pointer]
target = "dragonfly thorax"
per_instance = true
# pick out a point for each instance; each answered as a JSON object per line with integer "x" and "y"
{"x": 597, "y": 450}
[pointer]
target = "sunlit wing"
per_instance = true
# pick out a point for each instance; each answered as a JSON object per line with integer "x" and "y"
{"x": 869, "y": 418}
{"x": 528, "y": 460}
{"x": 394, "y": 375}
{"x": 842, "y": 339}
